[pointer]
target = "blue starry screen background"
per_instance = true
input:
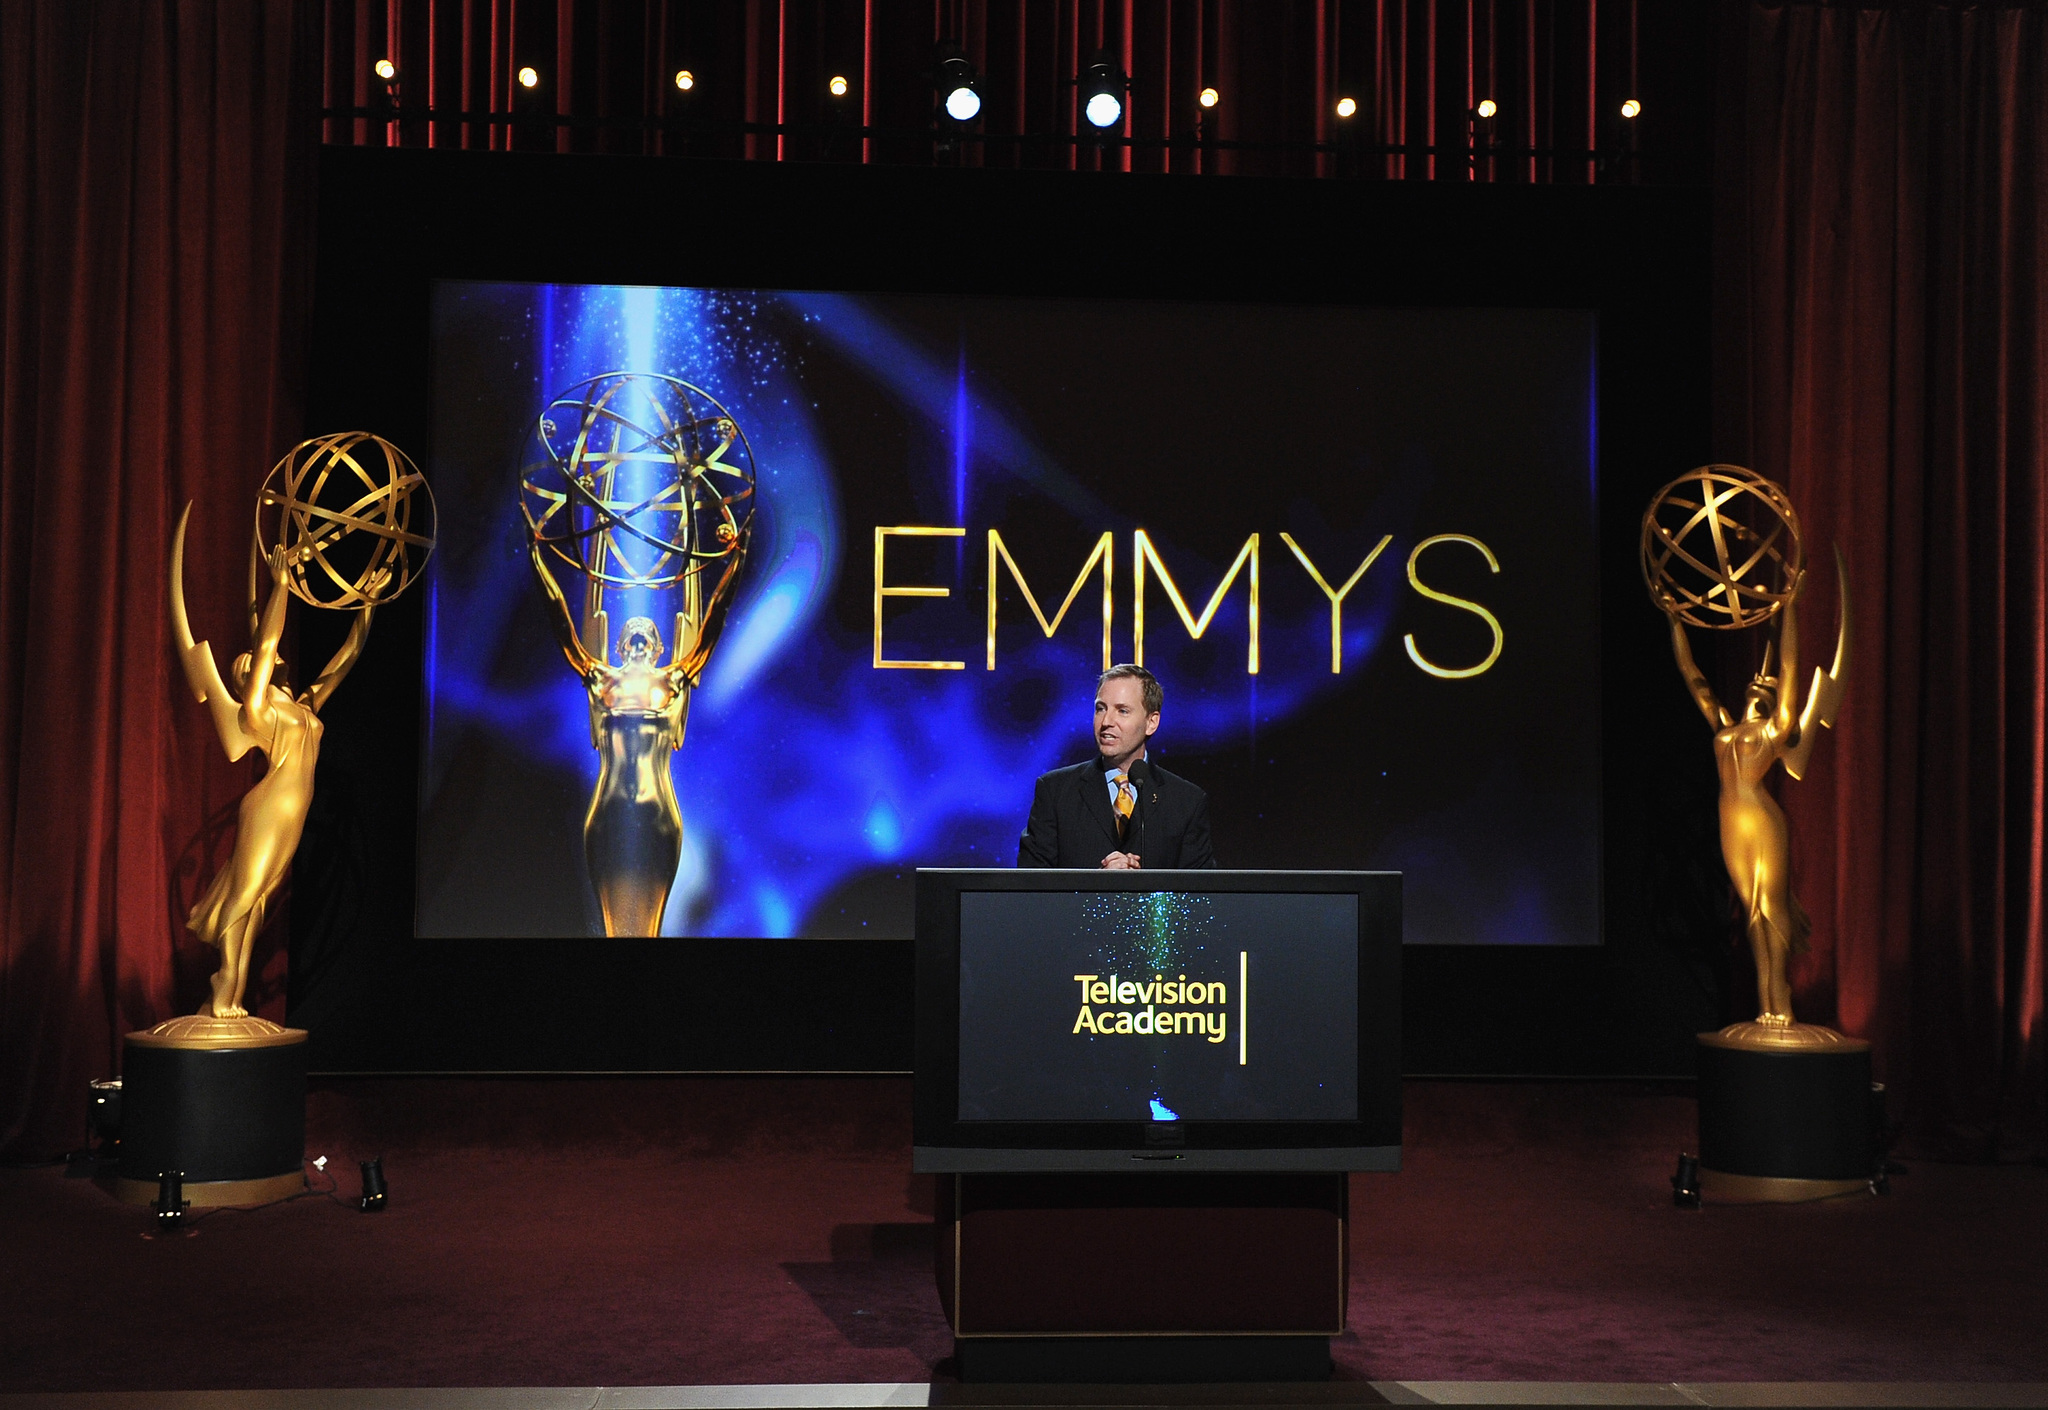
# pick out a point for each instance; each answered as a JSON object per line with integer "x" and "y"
{"x": 812, "y": 784}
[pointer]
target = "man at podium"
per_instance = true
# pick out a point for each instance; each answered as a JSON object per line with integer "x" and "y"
{"x": 1118, "y": 811}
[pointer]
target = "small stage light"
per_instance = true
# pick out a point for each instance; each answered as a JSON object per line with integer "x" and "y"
{"x": 838, "y": 86}
{"x": 529, "y": 78}
{"x": 103, "y": 1117}
{"x": 1487, "y": 108}
{"x": 374, "y": 1188}
{"x": 959, "y": 84}
{"x": 1685, "y": 1184}
{"x": 1103, "y": 86}
{"x": 1631, "y": 108}
{"x": 171, "y": 1203}
{"x": 1346, "y": 107}
{"x": 1209, "y": 98}
{"x": 685, "y": 80}
{"x": 386, "y": 70}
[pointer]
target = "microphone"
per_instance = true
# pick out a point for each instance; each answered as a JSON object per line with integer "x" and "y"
{"x": 1139, "y": 774}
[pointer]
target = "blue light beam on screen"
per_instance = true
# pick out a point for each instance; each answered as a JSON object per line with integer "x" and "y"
{"x": 930, "y": 388}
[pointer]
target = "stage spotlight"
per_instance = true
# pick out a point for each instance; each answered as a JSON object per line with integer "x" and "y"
{"x": 685, "y": 80}
{"x": 1486, "y": 109}
{"x": 171, "y": 1203}
{"x": 959, "y": 84}
{"x": 1209, "y": 98}
{"x": 1631, "y": 108}
{"x": 1346, "y": 107}
{"x": 837, "y": 86}
{"x": 1685, "y": 1185}
{"x": 529, "y": 77}
{"x": 374, "y": 1188}
{"x": 103, "y": 1116}
{"x": 386, "y": 70}
{"x": 1103, "y": 86}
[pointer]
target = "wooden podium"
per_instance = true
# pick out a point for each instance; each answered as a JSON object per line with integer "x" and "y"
{"x": 1147, "y": 1277}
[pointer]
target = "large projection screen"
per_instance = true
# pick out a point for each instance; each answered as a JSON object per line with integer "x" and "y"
{"x": 1361, "y": 541}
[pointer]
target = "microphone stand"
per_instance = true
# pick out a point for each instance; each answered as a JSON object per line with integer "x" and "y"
{"x": 1138, "y": 782}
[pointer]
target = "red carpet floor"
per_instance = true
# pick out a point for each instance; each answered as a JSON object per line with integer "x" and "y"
{"x": 746, "y": 1230}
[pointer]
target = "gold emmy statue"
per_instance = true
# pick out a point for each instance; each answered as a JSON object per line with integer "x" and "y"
{"x": 642, "y": 486}
{"x": 339, "y": 525}
{"x": 1721, "y": 549}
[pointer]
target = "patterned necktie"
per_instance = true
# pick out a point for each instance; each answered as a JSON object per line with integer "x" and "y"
{"x": 1126, "y": 800}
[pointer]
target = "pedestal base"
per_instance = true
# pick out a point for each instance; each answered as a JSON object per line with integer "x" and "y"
{"x": 229, "y": 1115}
{"x": 1787, "y": 1125}
{"x": 211, "y": 1194}
{"x": 1719, "y": 1187}
{"x": 1142, "y": 1360}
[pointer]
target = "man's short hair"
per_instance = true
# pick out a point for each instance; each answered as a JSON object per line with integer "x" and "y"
{"x": 1155, "y": 694}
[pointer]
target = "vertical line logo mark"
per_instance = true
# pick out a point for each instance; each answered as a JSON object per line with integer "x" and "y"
{"x": 1244, "y": 1000}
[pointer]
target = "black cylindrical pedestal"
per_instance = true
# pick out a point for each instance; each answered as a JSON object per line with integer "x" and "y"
{"x": 1779, "y": 1120}
{"x": 233, "y": 1120}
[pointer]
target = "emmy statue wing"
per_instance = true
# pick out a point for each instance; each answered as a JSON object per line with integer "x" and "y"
{"x": 202, "y": 673}
{"x": 255, "y": 592}
{"x": 204, "y": 677}
{"x": 1824, "y": 696}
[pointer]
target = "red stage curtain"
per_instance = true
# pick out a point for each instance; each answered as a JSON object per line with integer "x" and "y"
{"x": 1886, "y": 255}
{"x": 155, "y": 161}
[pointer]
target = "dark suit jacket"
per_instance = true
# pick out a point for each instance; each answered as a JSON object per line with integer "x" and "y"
{"x": 1072, "y": 824}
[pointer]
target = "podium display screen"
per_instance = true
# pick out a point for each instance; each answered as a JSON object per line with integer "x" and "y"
{"x": 1158, "y": 1006}
{"x": 1195, "y": 1020}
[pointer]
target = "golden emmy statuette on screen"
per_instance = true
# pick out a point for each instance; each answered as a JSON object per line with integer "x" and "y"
{"x": 1721, "y": 549}
{"x": 641, "y": 487}
{"x": 216, "y": 1099}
